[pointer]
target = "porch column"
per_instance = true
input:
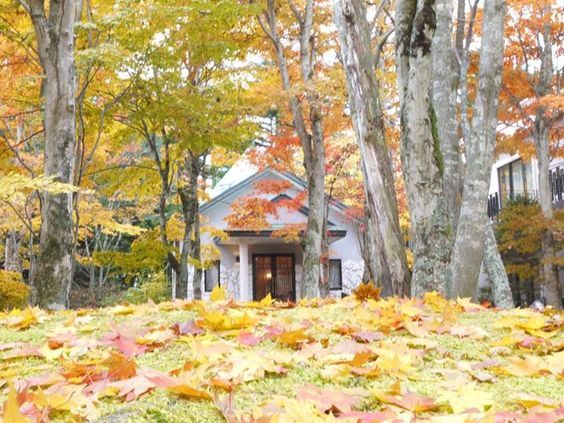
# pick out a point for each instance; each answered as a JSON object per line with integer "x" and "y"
{"x": 244, "y": 272}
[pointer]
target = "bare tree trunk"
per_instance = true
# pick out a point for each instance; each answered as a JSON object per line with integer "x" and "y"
{"x": 468, "y": 249}
{"x": 54, "y": 30}
{"x": 311, "y": 138}
{"x": 497, "y": 276}
{"x": 188, "y": 193}
{"x": 12, "y": 257}
{"x": 195, "y": 252}
{"x": 446, "y": 76}
{"x": 549, "y": 272}
{"x": 422, "y": 159}
{"x": 350, "y": 19}
{"x": 374, "y": 264}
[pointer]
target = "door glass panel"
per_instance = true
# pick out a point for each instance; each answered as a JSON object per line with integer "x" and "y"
{"x": 263, "y": 276}
{"x": 284, "y": 280}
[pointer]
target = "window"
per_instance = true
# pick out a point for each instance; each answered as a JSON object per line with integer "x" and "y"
{"x": 211, "y": 278}
{"x": 515, "y": 179}
{"x": 335, "y": 274}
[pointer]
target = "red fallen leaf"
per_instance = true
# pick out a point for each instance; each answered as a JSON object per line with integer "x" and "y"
{"x": 370, "y": 416}
{"x": 486, "y": 364}
{"x": 411, "y": 401}
{"x": 145, "y": 381}
{"x": 10, "y": 345}
{"x": 124, "y": 343}
{"x": 506, "y": 417}
{"x": 247, "y": 338}
{"x": 133, "y": 388}
{"x": 45, "y": 379}
{"x": 367, "y": 336}
{"x": 329, "y": 399}
{"x": 28, "y": 351}
{"x": 349, "y": 347}
{"x": 187, "y": 328}
{"x": 536, "y": 416}
{"x": 59, "y": 340}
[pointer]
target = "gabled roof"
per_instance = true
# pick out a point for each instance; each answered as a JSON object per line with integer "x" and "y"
{"x": 241, "y": 186}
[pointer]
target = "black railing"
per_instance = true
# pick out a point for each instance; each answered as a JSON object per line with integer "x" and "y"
{"x": 556, "y": 178}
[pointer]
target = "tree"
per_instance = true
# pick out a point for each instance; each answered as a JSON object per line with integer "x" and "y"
{"x": 364, "y": 100}
{"x": 422, "y": 158}
{"x": 468, "y": 251}
{"x": 309, "y": 129}
{"x": 54, "y": 31}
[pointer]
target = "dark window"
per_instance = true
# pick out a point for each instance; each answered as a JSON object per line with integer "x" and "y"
{"x": 211, "y": 278}
{"x": 335, "y": 274}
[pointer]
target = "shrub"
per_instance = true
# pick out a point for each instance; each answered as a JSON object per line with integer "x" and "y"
{"x": 153, "y": 287}
{"x": 13, "y": 292}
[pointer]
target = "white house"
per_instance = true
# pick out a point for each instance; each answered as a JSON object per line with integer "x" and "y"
{"x": 253, "y": 264}
{"x": 512, "y": 177}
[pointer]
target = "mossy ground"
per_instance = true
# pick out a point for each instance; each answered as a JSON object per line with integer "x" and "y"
{"x": 426, "y": 377}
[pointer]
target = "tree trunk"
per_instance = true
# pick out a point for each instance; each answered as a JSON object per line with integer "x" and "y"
{"x": 350, "y": 19}
{"x": 54, "y": 31}
{"x": 12, "y": 257}
{"x": 549, "y": 272}
{"x": 468, "y": 249}
{"x": 446, "y": 76}
{"x": 313, "y": 248}
{"x": 422, "y": 159}
{"x": 497, "y": 276}
{"x": 195, "y": 252}
{"x": 188, "y": 193}
{"x": 374, "y": 268}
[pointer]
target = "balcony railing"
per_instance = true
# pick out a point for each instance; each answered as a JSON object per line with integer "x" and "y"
{"x": 556, "y": 177}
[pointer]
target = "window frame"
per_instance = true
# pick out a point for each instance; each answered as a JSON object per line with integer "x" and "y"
{"x": 340, "y": 263}
{"x": 217, "y": 265}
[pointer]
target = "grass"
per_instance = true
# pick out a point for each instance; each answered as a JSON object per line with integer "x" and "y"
{"x": 325, "y": 325}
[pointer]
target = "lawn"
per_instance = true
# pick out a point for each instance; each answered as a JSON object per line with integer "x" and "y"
{"x": 349, "y": 360}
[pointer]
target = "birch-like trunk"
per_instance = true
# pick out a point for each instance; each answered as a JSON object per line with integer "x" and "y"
{"x": 446, "y": 77}
{"x": 468, "y": 249}
{"x": 497, "y": 276}
{"x": 422, "y": 159}
{"x": 358, "y": 57}
{"x": 549, "y": 272}
{"x": 54, "y": 30}
{"x": 188, "y": 193}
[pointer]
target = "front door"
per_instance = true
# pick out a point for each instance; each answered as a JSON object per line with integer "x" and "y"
{"x": 273, "y": 274}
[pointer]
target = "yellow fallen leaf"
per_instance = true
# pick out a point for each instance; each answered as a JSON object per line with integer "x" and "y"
{"x": 467, "y": 397}
{"x": 218, "y": 294}
{"x": 12, "y": 413}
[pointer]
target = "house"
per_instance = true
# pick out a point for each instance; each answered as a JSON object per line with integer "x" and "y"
{"x": 512, "y": 177}
{"x": 253, "y": 264}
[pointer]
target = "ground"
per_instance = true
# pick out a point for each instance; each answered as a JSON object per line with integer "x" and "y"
{"x": 356, "y": 359}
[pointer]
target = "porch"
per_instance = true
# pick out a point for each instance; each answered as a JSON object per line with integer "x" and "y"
{"x": 255, "y": 264}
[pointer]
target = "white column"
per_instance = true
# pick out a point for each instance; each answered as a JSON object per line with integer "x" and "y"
{"x": 244, "y": 272}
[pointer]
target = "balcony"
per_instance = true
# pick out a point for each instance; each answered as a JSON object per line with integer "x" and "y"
{"x": 556, "y": 175}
